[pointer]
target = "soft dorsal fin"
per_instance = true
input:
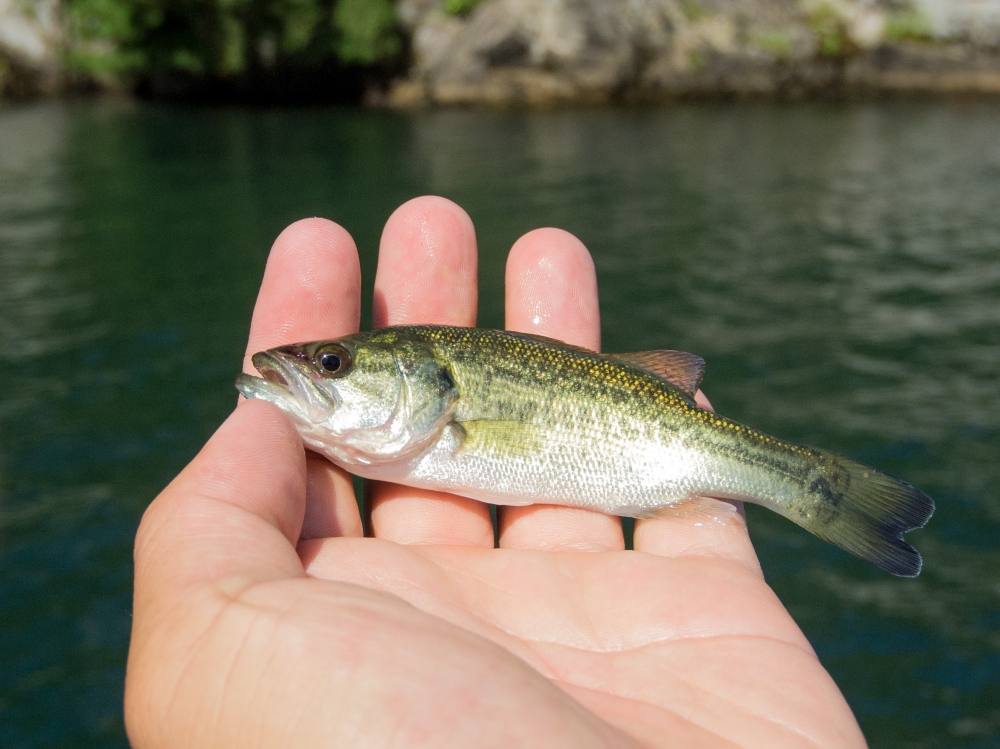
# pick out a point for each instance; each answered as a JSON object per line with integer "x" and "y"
{"x": 679, "y": 368}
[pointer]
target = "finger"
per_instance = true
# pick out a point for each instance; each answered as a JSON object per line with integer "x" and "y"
{"x": 232, "y": 516}
{"x": 427, "y": 274}
{"x": 552, "y": 290}
{"x": 699, "y": 527}
{"x": 312, "y": 290}
{"x": 331, "y": 507}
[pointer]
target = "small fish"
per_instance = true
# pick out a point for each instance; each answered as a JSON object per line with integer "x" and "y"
{"x": 514, "y": 419}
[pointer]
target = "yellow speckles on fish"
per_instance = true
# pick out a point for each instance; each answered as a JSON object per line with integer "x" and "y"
{"x": 483, "y": 361}
{"x": 513, "y": 418}
{"x": 386, "y": 336}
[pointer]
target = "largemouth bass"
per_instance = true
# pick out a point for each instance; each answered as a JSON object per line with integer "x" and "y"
{"x": 515, "y": 419}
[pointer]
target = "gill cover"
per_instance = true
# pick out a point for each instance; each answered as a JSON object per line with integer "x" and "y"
{"x": 363, "y": 399}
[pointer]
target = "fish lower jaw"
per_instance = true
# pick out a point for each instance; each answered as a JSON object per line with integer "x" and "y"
{"x": 257, "y": 388}
{"x": 308, "y": 415}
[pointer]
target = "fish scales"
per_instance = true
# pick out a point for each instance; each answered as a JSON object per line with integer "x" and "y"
{"x": 514, "y": 419}
{"x": 617, "y": 435}
{"x": 580, "y": 425}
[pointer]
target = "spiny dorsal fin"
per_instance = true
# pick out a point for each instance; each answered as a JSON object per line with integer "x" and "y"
{"x": 679, "y": 368}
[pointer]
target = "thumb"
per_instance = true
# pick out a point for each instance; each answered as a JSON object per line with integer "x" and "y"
{"x": 232, "y": 515}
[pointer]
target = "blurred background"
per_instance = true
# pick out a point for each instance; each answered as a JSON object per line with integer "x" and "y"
{"x": 805, "y": 193}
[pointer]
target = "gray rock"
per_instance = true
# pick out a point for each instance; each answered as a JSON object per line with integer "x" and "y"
{"x": 550, "y": 51}
{"x": 31, "y": 44}
{"x": 534, "y": 51}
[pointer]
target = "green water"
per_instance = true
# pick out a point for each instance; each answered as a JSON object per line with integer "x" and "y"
{"x": 838, "y": 267}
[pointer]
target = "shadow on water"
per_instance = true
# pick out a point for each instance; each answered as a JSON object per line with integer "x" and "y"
{"x": 836, "y": 265}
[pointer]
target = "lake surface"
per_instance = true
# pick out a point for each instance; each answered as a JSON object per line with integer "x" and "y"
{"x": 837, "y": 266}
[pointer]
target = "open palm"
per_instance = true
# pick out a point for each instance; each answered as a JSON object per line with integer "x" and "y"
{"x": 264, "y": 617}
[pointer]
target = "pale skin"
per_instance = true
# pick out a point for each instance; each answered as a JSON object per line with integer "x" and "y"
{"x": 264, "y": 617}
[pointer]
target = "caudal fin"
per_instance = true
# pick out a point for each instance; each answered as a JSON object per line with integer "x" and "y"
{"x": 868, "y": 515}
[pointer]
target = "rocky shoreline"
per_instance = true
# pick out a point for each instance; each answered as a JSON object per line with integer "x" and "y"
{"x": 528, "y": 52}
{"x": 554, "y": 52}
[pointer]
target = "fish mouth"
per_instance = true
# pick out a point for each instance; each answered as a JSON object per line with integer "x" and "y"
{"x": 286, "y": 382}
{"x": 269, "y": 367}
{"x": 271, "y": 386}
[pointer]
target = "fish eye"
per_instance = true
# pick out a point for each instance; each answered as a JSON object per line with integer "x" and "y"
{"x": 334, "y": 360}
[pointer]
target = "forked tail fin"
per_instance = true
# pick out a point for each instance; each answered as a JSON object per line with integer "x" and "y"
{"x": 866, "y": 513}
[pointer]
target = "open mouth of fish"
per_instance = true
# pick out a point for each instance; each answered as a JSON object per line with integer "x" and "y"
{"x": 273, "y": 384}
{"x": 270, "y": 370}
{"x": 273, "y": 379}
{"x": 283, "y": 383}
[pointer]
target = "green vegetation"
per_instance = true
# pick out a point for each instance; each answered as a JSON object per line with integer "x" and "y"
{"x": 776, "y": 43}
{"x": 908, "y": 25}
{"x": 102, "y": 33}
{"x": 460, "y": 7}
{"x": 692, "y": 10}
{"x": 828, "y": 27}
{"x": 697, "y": 59}
{"x": 367, "y": 31}
{"x": 227, "y": 40}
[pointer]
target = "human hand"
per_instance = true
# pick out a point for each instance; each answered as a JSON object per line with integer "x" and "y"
{"x": 264, "y": 617}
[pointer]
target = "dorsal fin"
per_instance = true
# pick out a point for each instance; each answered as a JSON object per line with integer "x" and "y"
{"x": 679, "y": 368}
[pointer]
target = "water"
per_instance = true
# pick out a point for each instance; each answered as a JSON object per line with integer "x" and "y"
{"x": 838, "y": 267}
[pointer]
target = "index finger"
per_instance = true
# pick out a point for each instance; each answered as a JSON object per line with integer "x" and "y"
{"x": 311, "y": 290}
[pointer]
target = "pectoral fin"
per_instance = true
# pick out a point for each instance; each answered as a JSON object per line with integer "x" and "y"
{"x": 500, "y": 437}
